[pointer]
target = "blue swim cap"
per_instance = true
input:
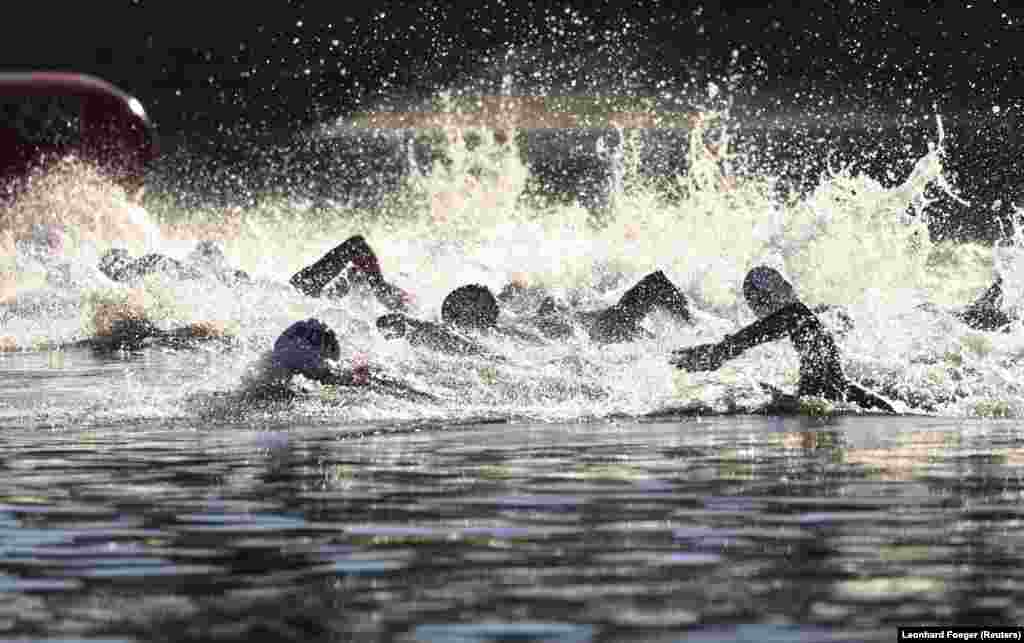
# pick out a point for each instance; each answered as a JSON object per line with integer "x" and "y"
{"x": 305, "y": 345}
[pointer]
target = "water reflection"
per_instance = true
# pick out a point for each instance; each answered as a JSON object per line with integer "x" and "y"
{"x": 603, "y": 531}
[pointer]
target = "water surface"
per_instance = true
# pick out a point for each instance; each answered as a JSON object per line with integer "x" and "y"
{"x": 745, "y": 528}
{"x": 142, "y": 497}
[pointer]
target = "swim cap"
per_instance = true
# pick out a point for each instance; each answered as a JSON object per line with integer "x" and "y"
{"x": 766, "y": 291}
{"x": 470, "y": 307}
{"x": 305, "y": 345}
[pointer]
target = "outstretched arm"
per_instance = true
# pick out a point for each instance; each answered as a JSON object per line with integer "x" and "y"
{"x": 782, "y": 323}
{"x": 421, "y": 333}
{"x": 708, "y": 357}
{"x": 363, "y": 377}
{"x": 820, "y": 371}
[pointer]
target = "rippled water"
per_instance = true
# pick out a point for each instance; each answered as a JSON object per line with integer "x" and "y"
{"x": 722, "y": 529}
{"x": 143, "y": 497}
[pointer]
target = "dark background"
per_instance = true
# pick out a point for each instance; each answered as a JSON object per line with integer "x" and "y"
{"x": 224, "y": 73}
{"x": 203, "y": 64}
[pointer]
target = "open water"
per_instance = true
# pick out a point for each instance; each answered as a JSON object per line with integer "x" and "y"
{"x": 570, "y": 492}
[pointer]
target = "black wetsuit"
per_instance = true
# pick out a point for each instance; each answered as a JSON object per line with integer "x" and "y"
{"x": 310, "y": 348}
{"x": 617, "y": 323}
{"x": 985, "y": 313}
{"x": 135, "y": 334}
{"x": 350, "y": 263}
{"x": 428, "y": 334}
{"x": 620, "y": 322}
{"x": 821, "y": 374}
{"x": 119, "y": 266}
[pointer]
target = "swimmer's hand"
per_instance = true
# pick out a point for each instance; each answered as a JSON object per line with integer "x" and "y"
{"x": 703, "y": 357}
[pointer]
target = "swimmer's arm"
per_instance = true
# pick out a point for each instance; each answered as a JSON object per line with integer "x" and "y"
{"x": 522, "y": 336}
{"x": 433, "y": 336}
{"x": 361, "y": 376}
{"x": 440, "y": 339}
{"x": 708, "y": 357}
{"x": 776, "y": 326}
{"x": 399, "y": 389}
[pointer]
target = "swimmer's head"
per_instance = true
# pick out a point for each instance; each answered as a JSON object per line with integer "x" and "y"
{"x": 767, "y": 291}
{"x": 471, "y": 307}
{"x": 306, "y": 345}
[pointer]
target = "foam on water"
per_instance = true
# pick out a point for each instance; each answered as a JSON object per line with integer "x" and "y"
{"x": 851, "y": 241}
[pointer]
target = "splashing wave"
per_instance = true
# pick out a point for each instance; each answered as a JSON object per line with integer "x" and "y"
{"x": 851, "y": 241}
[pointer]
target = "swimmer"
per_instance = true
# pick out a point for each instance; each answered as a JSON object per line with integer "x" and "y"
{"x": 206, "y": 260}
{"x": 781, "y": 313}
{"x": 208, "y": 257}
{"x": 622, "y": 321}
{"x": 428, "y": 334}
{"x": 468, "y": 309}
{"x": 474, "y": 309}
{"x": 132, "y": 333}
{"x": 310, "y": 348}
{"x": 350, "y": 265}
{"x": 136, "y": 333}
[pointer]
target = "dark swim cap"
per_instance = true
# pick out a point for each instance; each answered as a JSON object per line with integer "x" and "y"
{"x": 305, "y": 345}
{"x": 766, "y": 291}
{"x": 471, "y": 307}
